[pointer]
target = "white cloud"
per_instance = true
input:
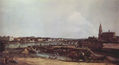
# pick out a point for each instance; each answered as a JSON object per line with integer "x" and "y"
{"x": 57, "y": 18}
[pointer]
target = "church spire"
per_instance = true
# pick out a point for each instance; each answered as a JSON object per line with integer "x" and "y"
{"x": 100, "y": 31}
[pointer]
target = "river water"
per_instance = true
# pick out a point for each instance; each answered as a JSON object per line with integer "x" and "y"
{"x": 52, "y": 56}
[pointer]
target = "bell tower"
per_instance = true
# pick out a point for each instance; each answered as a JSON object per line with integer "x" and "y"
{"x": 100, "y": 31}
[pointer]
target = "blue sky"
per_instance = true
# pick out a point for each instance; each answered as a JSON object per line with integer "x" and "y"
{"x": 58, "y": 18}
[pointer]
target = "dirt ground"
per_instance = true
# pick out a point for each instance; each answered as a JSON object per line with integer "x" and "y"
{"x": 42, "y": 61}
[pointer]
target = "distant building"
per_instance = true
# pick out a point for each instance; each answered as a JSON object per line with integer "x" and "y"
{"x": 92, "y": 43}
{"x": 6, "y": 38}
{"x": 107, "y": 36}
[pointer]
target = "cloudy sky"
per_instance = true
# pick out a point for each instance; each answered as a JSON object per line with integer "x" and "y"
{"x": 58, "y": 18}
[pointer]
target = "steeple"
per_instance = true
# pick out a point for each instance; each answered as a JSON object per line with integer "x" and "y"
{"x": 100, "y": 31}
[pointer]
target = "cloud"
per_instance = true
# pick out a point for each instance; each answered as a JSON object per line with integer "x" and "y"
{"x": 58, "y": 18}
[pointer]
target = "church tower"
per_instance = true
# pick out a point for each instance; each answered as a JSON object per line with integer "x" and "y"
{"x": 100, "y": 31}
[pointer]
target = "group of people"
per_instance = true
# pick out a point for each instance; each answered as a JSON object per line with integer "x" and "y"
{"x": 4, "y": 55}
{"x": 6, "y": 58}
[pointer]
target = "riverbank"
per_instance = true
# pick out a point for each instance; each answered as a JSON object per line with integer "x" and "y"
{"x": 44, "y": 61}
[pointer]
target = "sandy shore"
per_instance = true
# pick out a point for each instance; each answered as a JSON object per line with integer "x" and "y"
{"x": 42, "y": 61}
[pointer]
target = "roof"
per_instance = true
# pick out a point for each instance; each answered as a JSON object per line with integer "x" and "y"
{"x": 108, "y": 33}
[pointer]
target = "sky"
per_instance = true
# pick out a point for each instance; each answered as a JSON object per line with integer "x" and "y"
{"x": 58, "y": 18}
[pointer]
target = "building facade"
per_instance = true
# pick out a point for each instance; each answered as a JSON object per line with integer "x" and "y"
{"x": 107, "y": 36}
